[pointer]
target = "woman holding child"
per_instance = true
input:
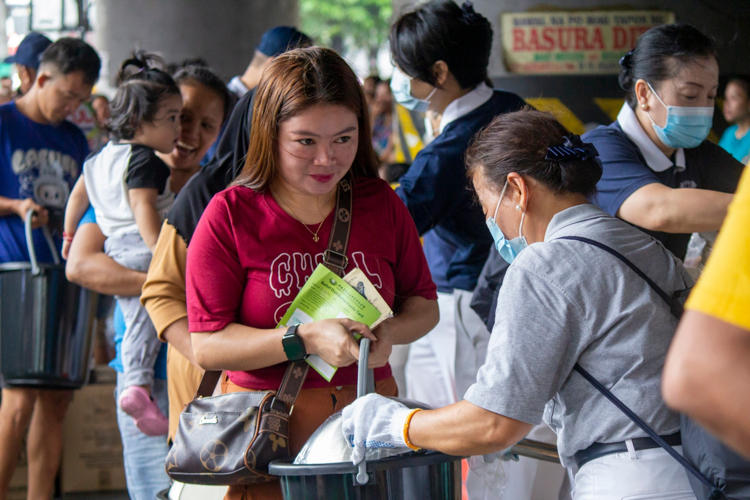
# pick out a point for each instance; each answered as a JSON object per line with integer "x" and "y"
{"x": 205, "y": 103}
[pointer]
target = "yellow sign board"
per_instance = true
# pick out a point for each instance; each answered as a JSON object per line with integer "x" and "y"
{"x": 573, "y": 42}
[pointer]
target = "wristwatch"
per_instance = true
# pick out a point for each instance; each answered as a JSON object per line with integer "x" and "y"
{"x": 294, "y": 348}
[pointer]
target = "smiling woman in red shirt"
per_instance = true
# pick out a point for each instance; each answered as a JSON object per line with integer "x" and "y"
{"x": 259, "y": 241}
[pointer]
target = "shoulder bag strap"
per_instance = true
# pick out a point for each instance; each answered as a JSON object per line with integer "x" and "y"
{"x": 335, "y": 259}
{"x": 676, "y": 309}
{"x": 674, "y": 306}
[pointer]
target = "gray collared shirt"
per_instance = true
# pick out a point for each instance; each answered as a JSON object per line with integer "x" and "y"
{"x": 565, "y": 302}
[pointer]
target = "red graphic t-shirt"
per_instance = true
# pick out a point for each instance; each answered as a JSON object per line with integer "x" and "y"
{"x": 248, "y": 259}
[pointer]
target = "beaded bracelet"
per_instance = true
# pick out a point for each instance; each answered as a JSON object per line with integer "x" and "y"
{"x": 406, "y": 429}
{"x": 68, "y": 237}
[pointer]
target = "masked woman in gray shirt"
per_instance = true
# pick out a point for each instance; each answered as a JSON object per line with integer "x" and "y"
{"x": 562, "y": 302}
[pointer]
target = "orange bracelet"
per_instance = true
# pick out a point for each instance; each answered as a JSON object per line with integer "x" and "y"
{"x": 406, "y": 429}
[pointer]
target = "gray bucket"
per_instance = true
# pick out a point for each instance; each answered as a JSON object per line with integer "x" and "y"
{"x": 323, "y": 468}
{"x": 46, "y": 322}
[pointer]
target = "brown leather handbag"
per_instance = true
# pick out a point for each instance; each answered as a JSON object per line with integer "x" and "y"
{"x": 230, "y": 439}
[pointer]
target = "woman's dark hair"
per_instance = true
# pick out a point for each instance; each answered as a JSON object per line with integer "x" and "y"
{"x": 520, "y": 141}
{"x": 174, "y": 67}
{"x": 203, "y": 75}
{"x": 742, "y": 82}
{"x": 72, "y": 54}
{"x": 440, "y": 30}
{"x": 142, "y": 87}
{"x": 293, "y": 82}
{"x": 660, "y": 53}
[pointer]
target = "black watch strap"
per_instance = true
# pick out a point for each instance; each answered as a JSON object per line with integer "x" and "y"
{"x": 294, "y": 348}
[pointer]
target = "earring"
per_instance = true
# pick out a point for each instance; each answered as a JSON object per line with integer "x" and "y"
{"x": 518, "y": 207}
{"x": 644, "y": 105}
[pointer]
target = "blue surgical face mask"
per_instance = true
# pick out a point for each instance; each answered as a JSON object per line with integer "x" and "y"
{"x": 508, "y": 249}
{"x": 686, "y": 127}
{"x": 401, "y": 87}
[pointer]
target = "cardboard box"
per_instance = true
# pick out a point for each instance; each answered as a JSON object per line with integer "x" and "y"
{"x": 92, "y": 448}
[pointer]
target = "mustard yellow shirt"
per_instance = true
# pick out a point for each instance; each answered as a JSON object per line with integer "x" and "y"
{"x": 723, "y": 290}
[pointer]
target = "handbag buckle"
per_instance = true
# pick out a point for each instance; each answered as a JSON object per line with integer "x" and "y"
{"x": 343, "y": 259}
{"x": 209, "y": 419}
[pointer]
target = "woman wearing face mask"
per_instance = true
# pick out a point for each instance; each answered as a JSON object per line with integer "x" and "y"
{"x": 563, "y": 302}
{"x": 660, "y": 172}
{"x": 441, "y": 52}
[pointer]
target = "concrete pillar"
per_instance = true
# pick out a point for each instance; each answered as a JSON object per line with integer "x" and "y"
{"x": 3, "y": 34}
{"x": 223, "y": 32}
{"x": 727, "y": 20}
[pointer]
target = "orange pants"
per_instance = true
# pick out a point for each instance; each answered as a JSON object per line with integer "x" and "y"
{"x": 312, "y": 408}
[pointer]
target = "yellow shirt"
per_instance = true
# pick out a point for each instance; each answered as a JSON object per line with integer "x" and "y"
{"x": 723, "y": 290}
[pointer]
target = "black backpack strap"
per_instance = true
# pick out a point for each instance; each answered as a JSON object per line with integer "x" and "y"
{"x": 676, "y": 308}
{"x": 716, "y": 494}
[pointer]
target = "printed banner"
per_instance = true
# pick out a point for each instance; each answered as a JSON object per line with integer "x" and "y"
{"x": 573, "y": 42}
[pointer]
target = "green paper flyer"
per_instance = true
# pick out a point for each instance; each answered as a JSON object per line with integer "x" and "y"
{"x": 326, "y": 296}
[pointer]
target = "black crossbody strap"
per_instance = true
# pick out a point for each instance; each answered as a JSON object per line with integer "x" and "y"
{"x": 334, "y": 259}
{"x": 674, "y": 306}
{"x": 676, "y": 309}
{"x": 716, "y": 494}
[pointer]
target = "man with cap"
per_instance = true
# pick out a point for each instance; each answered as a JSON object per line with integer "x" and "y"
{"x": 41, "y": 156}
{"x": 274, "y": 42}
{"x": 27, "y": 57}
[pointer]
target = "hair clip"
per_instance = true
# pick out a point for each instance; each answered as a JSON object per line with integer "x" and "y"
{"x": 572, "y": 148}
{"x": 625, "y": 61}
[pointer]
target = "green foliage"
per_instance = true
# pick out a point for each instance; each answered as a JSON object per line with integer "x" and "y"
{"x": 361, "y": 24}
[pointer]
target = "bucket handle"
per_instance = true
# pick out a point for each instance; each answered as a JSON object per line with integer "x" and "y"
{"x": 365, "y": 377}
{"x": 365, "y": 385}
{"x": 35, "y": 269}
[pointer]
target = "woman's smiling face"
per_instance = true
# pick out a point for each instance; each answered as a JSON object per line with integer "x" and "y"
{"x": 316, "y": 148}
{"x": 201, "y": 117}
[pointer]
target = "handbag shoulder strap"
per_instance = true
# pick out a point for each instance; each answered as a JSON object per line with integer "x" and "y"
{"x": 335, "y": 259}
{"x": 676, "y": 309}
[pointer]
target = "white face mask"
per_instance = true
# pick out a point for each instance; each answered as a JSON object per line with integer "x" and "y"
{"x": 401, "y": 88}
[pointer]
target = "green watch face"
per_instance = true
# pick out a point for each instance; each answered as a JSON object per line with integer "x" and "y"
{"x": 294, "y": 348}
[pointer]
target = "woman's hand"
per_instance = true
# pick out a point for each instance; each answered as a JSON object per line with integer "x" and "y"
{"x": 333, "y": 340}
{"x": 380, "y": 351}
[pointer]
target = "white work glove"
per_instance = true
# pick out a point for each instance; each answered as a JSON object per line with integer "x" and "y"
{"x": 373, "y": 421}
